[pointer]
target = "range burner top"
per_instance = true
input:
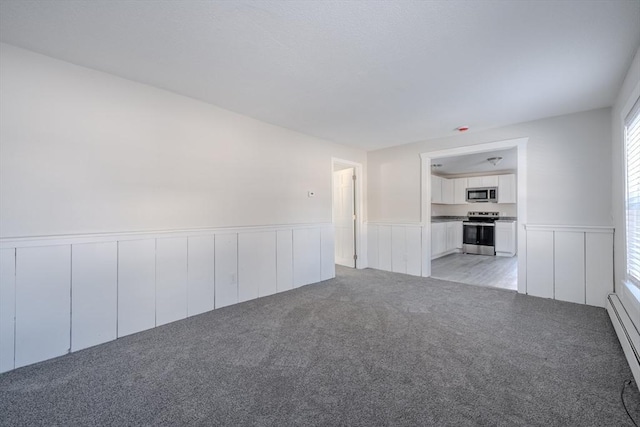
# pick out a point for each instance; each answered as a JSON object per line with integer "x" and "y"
{"x": 483, "y": 216}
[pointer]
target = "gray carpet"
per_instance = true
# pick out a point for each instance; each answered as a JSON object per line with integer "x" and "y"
{"x": 367, "y": 348}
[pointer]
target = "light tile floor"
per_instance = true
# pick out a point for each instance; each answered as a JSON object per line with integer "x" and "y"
{"x": 498, "y": 272}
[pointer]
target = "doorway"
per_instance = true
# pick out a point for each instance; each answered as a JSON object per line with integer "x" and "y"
{"x": 346, "y": 208}
{"x": 520, "y": 144}
{"x": 474, "y": 242}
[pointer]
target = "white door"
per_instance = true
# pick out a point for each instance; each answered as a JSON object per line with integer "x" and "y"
{"x": 344, "y": 216}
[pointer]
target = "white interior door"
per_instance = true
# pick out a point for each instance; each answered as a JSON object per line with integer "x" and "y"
{"x": 344, "y": 216}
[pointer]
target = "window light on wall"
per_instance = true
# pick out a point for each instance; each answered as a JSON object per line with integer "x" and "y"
{"x": 632, "y": 150}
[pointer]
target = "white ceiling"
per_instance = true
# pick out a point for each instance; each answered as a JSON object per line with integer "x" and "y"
{"x": 477, "y": 163}
{"x": 365, "y": 73}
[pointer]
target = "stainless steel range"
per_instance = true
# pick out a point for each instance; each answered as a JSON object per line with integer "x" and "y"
{"x": 478, "y": 233}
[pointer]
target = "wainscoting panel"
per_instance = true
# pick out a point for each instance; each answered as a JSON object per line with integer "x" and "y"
{"x": 284, "y": 259}
{"x": 136, "y": 286}
{"x": 569, "y": 266}
{"x": 395, "y": 247}
{"x": 540, "y": 263}
{"x": 327, "y": 257}
{"x": 372, "y": 241}
{"x": 257, "y": 275}
{"x": 570, "y": 263}
{"x": 226, "y": 270}
{"x": 200, "y": 274}
{"x": 7, "y": 308}
{"x": 599, "y": 268}
{"x": 65, "y": 293}
{"x": 414, "y": 250}
{"x": 398, "y": 249}
{"x": 302, "y": 258}
{"x": 43, "y": 303}
{"x": 306, "y": 256}
{"x": 171, "y": 279}
{"x": 267, "y": 257}
{"x": 94, "y": 294}
{"x": 314, "y": 250}
{"x": 384, "y": 248}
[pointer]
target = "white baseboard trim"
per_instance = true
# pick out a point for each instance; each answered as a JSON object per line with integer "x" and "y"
{"x": 627, "y": 333}
{"x": 443, "y": 254}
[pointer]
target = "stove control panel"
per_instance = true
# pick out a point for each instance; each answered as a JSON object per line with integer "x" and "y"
{"x": 489, "y": 215}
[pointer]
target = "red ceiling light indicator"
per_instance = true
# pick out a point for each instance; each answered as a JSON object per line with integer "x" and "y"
{"x": 463, "y": 128}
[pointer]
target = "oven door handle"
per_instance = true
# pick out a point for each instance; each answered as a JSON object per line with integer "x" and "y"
{"x": 482, "y": 224}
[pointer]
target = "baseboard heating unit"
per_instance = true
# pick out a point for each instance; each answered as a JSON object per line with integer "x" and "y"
{"x": 627, "y": 333}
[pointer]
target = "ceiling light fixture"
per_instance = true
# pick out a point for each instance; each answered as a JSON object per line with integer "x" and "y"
{"x": 494, "y": 160}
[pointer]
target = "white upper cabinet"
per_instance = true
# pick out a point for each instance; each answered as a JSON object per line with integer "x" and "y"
{"x": 490, "y": 181}
{"x": 442, "y": 190}
{"x": 474, "y": 182}
{"x": 447, "y": 191}
{"x": 507, "y": 188}
{"x": 460, "y": 191}
{"x": 483, "y": 181}
{"x": 454, "y": 191}
{"x": 436, "y": 189}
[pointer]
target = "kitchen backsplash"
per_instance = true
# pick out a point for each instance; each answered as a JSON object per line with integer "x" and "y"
{"x": 505, "y": 209}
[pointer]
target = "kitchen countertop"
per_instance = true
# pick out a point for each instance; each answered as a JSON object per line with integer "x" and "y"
{"x": 464, "y": 218}
{"x": 448, "y": 218}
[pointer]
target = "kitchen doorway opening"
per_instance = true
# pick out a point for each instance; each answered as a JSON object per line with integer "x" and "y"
{"x": 346, "y": 215}
{"x": 443, "y": 221}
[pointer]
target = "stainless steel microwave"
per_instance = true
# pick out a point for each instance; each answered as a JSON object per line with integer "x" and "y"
{"x": 482, "y": 195}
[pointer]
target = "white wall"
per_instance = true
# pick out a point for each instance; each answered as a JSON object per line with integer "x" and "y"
{"x": 83, "y": 151}
{"x": 90, "y": 162}
{"x": 569, "y": 164}
{"x": 568, "y": 180}
{"x": 629, "y": 93}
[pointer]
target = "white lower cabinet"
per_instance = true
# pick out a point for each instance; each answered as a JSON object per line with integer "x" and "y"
{"x": 458, "y": 234}
{"x": 446, "y": 238}
{"x": 454, "y": 235}
{"x": 438, "y": 239}
{"x": 505, "y": 238}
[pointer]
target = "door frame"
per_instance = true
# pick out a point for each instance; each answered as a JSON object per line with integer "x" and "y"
{"x": 360, "y": 238}
{"x": 425, "y": 203}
